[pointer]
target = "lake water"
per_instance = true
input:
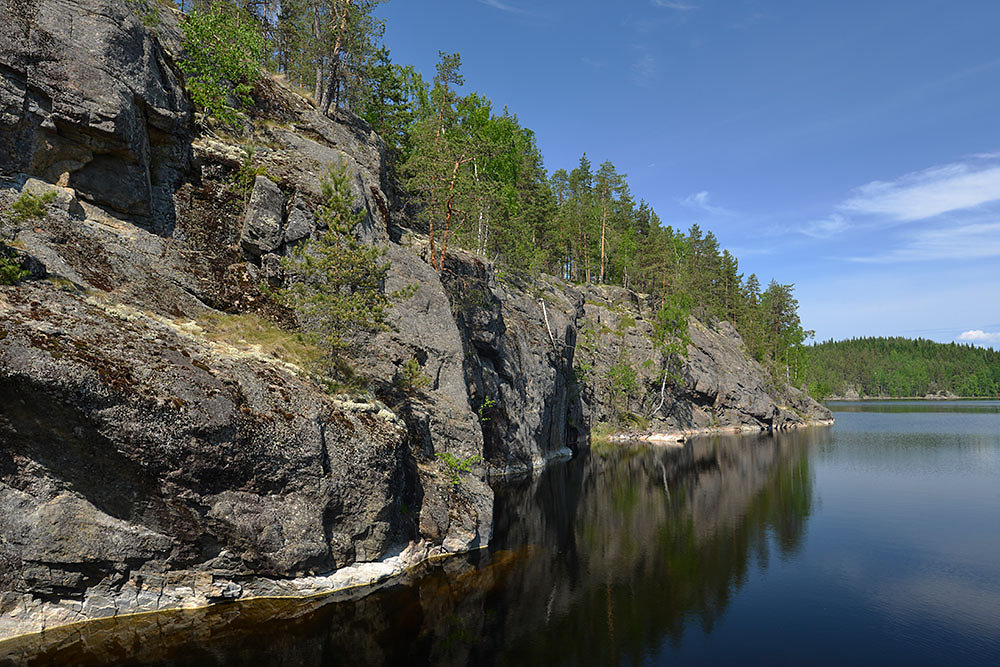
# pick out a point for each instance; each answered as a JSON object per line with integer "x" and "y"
{"x": 876, "y": 540}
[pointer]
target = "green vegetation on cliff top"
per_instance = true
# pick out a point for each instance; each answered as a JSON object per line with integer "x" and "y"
{"x": 477, "y": 175}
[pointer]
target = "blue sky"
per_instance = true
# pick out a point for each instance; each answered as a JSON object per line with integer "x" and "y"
{"x": 851, "y": 148}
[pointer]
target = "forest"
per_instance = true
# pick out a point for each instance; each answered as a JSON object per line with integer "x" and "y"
{"x": 902, "y": 367}
{"x": 474, "y": 174}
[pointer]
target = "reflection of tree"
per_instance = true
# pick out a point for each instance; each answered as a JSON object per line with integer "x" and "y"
{"x": 596, "y": 562}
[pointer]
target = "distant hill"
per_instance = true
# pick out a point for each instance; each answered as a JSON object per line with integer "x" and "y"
{"x": 901, "y": 367}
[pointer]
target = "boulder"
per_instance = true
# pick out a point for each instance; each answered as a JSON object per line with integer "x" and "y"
{"x": 301, "y": 222}
{"x": 134, "y": 449}
{"x": 262, "y": 226}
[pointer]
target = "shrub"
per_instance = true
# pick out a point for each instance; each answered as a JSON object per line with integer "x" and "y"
{"x": 622, "y": 382}
{"x": 247, "y": 174}
{"x": 29, "y": 206}
{"x": 456, "y": 467}
{"x": 224, "y": 52}
{"x": 148, "y": 11}
{"x": 488, "y": 404}
{"x": 11, "y": 271}
{"x": 411, "y": 378}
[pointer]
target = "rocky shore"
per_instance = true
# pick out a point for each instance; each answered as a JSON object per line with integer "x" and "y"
{"x": 163, "y": 443}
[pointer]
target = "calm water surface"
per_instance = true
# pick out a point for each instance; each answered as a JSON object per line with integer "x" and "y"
{"x": 874, "y": 541}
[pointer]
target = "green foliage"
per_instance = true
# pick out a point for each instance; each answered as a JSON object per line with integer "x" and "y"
{"x": 902, "y": 367}
{"x": 148, "y": 12}
{"x": 389, "y": 102}
{"x": 601, "y": 432}
{"x": 488, "y": 404}
{"x": 411, "y": 377}
{"x": 335, "y": 281}
{"x": 671, "y": 335}
{"x": 456, "y": 467}
{"x": 29, "y": 206}
{"x": 11, "y": 272}
{"x": 622, "y": 383}
{"x": 781, "y": 345}
{"x": 223, "y": 58}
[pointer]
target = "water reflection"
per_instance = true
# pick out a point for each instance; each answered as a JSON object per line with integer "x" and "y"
{"x": 639, "y": 543}
{"x": 597, "y": 561}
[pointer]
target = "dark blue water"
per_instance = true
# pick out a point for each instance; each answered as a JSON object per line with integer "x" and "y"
{"x": 875, "y": 541}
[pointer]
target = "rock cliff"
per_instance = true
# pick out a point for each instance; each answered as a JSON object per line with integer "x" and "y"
{"x": 161, "y": 443}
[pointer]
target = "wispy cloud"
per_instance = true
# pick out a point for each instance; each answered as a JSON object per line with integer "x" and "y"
{"x": 979, "y": 337}
{"x": 702, "y": 200}
{"x": 824, "y": 229}
{"x": 965, "y": 242}
{"x": 929, "y": 193}
{"x": 503, "y": 6}
{"x": 672, "y": 4}
{"x": 646, "y": 69}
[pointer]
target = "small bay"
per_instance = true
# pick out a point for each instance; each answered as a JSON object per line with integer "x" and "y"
{"x": 872, "y": 541}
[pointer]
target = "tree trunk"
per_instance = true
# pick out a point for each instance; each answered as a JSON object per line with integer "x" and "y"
{"x": 318, "y": 88}
{"x": 431, "y": 230}
{"x": 449, "y": 209}
{"x": 604, "y": 222}
{"x": 330, "y": 90}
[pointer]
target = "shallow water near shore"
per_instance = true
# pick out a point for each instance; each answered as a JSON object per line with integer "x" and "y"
{"x": 875, "y": 540}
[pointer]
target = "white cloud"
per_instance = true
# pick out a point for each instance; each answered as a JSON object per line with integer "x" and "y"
{"x": 979, "y": 337}
{"x": 702, "y": 200}
{"x": 502, "y": 6}
{"x": 824, "y": 229}
{"x": 671, "y": 4}
{"x": 970, "y": 241}
{"x": 928, "y": 193}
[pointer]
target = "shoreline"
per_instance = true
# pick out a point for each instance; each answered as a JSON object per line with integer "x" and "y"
{"x": 678, "y": 437}
{"x": 193, "y": 591}
{"x": 343, "y": 584}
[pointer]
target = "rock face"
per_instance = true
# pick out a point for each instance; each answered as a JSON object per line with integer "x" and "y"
{"x": 720, "y": 387}
{"x": 89, "y": 99}
{"x": 519, "y": 342}
{"x": 133, "y": 449}
{"x": 149, "y": 461}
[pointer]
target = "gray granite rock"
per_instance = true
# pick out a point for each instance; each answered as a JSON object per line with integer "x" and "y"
{"x": 262, "y": 224}
{"x": 89, "y": 99}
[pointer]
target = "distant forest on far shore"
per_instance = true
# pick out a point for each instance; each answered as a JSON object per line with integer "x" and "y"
{"x": 901, "y": 367}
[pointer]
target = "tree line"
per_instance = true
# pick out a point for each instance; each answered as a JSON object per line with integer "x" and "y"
{"x": 481, "y": 184}
{"x": 902, "y": 367}
{"x": 478, "y": 180}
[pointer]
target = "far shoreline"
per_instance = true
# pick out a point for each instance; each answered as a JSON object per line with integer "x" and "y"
{"x": 868, "y": 399}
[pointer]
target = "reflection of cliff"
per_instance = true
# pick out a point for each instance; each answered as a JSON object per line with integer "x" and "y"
{"x": 660, "y": 536}
{"x": 596, "y": 562}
